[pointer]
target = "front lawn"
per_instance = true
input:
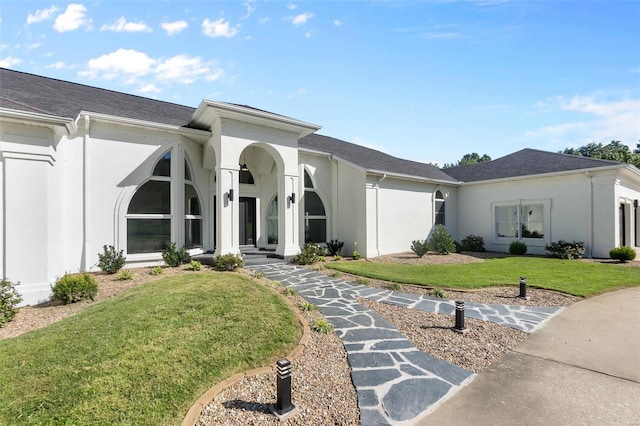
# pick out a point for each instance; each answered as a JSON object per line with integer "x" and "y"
{"x": 572, "y": 277}
{"x": 144, "y": 356}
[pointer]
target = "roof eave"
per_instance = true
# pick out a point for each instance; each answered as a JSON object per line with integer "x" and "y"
{"x": 51, "y": 121}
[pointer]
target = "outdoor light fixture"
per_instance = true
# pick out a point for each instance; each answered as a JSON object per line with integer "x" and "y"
{"x": 635, "y": 203}
{"x": 283, "y": 408}
{"x": 292, "y": 198}
{"x": 231, "y": 194}
{"x": 459, "y": 327}
{"x": 243, "y": 165}
{"x": 523, "y": 288}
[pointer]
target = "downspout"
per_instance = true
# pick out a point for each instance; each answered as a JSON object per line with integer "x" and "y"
{"x": 384, "y": 176}
{"x": 590, "y": 215}
{"x": 334, "y": 199}
{"x": 85, "y": 193}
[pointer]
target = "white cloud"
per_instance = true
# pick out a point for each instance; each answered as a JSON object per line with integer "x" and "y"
{"x": 121, "y": 25}
{"x": 215, "y": 75}
{"x": 444, "y": 36}
{"x": 308, "y": 34}
{"x": 58, "y": 65}
{"x": 219, "y": 28}
{"x": 292, "y": 6}
{"x": 8, "y": 62}
{"x": 41, "y": 15}
{"x": 301, "y": 19}
{"x": 337, "y": 23}
{"x": 300, "y": 92}
{"x": 264, "y": 20}
{"x": 149, "y": 88}
{"x": 122, "y": 61}
{"x": 174, "y": 27}
{"x": 251, "y": 7}
{"x": 72, "y": 18}
{"x": 182, "y": 69}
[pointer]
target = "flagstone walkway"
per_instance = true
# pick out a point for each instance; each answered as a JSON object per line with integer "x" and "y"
{"x": 395, "y": 382}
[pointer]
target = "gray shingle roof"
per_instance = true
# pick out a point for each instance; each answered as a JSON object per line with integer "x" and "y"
{"x": 525, "y": 163}
{"x": 371, "y": 159}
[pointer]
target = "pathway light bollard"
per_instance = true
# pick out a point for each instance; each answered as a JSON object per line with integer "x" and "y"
{"x": 459, "y": 327}
{"x": 283, "y": 409}
{"x": 523, "y": 288}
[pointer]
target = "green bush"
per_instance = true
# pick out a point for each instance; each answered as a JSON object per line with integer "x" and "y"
{"x": 439, "y": 293}
{"x": 566, "y": 250}
{"x": 622, "y": 253}
{"x": 518, "y": 248}
{"x": 420, "y": 248}
{"x": 156, "y": 270}
{"x": 335, "y": 247}
{"x": 362, "y": 281}
{"x": 356, "y": 255}
{"x": 472, "y": 243}
{"x": 310, "y": 254}
{"x": 322, "y": 326}
{"x": 394, "y": 286}
{"x": 307, "y": 306}
{"x": 175, "y": 257}
{"x": 9, "y": 298}
{"x": 228, "y": 262}
{"x": 289, "y": 292}
{"x": 125, "y": 275}
{"x": 441, "y": 241}
{"x": 110, "y": 260}
{"x": 71, "y": 288}
{"x": 194, "y": 265}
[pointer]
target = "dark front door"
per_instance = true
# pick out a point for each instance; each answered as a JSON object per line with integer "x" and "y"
{"x": 247, "y": 221}
{"x": 623, "y": 226}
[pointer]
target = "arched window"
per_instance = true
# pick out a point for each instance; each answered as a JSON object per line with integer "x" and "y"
{"x": 315, "y": 216}
{"x": 246, "y": 177}
{"x": 272, "y": 221}
{"x": 439, "y": 208}
{"x": 150, "y": 216}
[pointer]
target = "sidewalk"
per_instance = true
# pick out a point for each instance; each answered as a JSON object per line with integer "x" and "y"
{"x": 582, "y": 368}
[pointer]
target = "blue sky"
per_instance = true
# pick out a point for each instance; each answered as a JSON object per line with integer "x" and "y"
{"x": 424, "y": 80}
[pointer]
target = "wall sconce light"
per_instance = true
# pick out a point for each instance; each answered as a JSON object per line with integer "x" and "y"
{"x": 231, "y": 194}
{"x": 292, "y": 198}
{"x": 635, "y": 203}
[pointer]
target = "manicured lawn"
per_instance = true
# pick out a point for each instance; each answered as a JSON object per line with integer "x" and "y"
{"x": 577, "y": 278}
{"x": 144, "y": 356}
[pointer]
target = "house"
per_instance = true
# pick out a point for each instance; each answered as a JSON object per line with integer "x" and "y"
{"x": 84, "y": 167}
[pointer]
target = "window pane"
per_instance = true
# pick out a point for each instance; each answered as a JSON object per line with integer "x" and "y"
{"x": 313, "y": 204}
{"x": 439, "y": 195}
{"x": 191, "y": 201}
{"x": 307, "y": 180}
{"x": 507, "y": 221}
{"x": 148, "y": 235}
{"x": 532, "y": 221}
{"x": 154, "y": 197}
{"x": 163, "y": 168}
{"x": 315, "y": 231}
{"x": 440, "y": 212}
{"x": 187, "y": 171}
{"x": 246, "y": 177}
{"x": 272, "y": 231}
{"x": 193, "y": 233}
{"x": 273, "y": 207}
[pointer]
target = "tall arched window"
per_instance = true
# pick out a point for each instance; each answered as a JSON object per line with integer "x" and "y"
{"x": 272, "y": 221}
{"x": 150, "y": 216}
{"x": 315, "y": 216}
{"x": 439, "y": 208}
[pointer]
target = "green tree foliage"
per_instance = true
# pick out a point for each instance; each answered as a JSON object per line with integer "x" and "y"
{"x": 615, "y": 150}
{"x": 466, "y": 159}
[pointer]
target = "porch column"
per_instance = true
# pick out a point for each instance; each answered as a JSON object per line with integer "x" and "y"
{"x": 227, "y": 220}
{"x": 288, "y": 237}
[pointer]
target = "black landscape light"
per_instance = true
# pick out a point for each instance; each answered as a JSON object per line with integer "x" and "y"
{"x": 459, "y": 327}
{"x": 283, "y": 408}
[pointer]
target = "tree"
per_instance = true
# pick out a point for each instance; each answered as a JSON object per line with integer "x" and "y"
{"x": 466, "y": 159}
{"x": 615, "y": 150}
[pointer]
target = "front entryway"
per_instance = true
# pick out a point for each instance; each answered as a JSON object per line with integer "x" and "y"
{"x": 247, "y": 221}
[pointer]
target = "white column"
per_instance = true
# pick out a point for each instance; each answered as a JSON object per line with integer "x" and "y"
{"x": 288, "y": 234}
{"x": 228, "y": 226}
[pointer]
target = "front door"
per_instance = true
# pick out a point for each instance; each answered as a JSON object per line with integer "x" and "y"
{"x": 247, "y": 221}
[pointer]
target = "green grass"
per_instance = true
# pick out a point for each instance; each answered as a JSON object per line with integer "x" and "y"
{"x": 144, "y": 356}
{"x": 577, "y": 278}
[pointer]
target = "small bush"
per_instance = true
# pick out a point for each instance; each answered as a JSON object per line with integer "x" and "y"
{"x": 394, "y": 286}
{"x": 72, "y": 288}
{"x": 335, "y": 274}
{"x": 566, "y": 250}
{"x": 175, "y": 257}
{"x": 307, "y": 307}
{"x": 472, "y": 243}
{"x": 156, "y": 270}
{"x": 194, "y": 265}
{"x": 335, "y": 247}
{"x": 439, "y": 293}
{"x": 518, "y": 248}
{"x": 125, "y": 275}
{"x": 289, "y": 292}
{"x": 337, "y": 258}
{"x": 322, "y": 326}
{"x": 228, "y": 262}
{"x": 623, "y": 254}
{"x": 441, "y": 241}
{"x": 258, "y": 274}
{"x": 420, "y": 248}
{"x": 9, "y": 298}
{"x": 110, "y": 260}
{"x": 356, "y": 255}
{"x": 362, "y": 281}
{"x": 310, "y": 254}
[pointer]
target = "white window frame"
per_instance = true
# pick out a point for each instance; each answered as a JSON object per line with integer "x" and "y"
{"x": 546, "y": 221}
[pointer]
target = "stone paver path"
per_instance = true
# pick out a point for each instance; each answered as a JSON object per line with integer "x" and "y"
{"x": 395, "y": 382}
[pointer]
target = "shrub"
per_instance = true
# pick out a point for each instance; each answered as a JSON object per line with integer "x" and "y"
{"x": 289, "y": 292}
{"x": 110, "y": 260}
{"x": 439, "y": 293}
{"x": 228, "y": 262}
{"x": 175, "y": 257}
{"x": 322, "y": 326}
{"x": 72, "y": 288}
{"x": 622, "y": 253}
{"x": 9, "y": 298}
{"x": 394, "y": 286}
{"x": 194, "y": 265}
{"x": 362, "y": 281}
{"x": 420, "y": 248}
{"x": 517, "y": 247}
{"x": 566, "y": 250}
{"x": 472, "y": 243}
{"x": 156, "y": 270}
{"x": 258, "y": 274}
{"x": 335, "y": 247}
{"x": 337, "y": 258}
{"x": 310, "y": 254}
{"x": 307, "y": 307}
{"x": 441, "y": 241}
{"x": 125, "y": 275}
{"x": 356, "y": 255}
